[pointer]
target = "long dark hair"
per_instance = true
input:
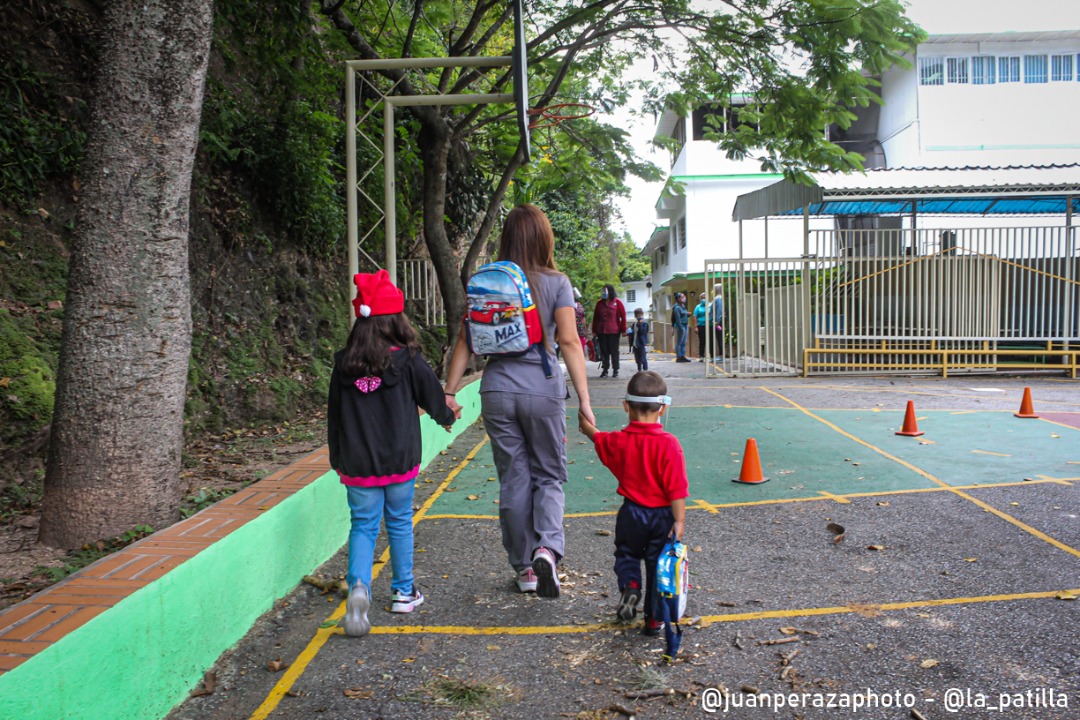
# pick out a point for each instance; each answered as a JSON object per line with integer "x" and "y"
{"x": 367, "y": 353}
{"x": 528, "y": 241}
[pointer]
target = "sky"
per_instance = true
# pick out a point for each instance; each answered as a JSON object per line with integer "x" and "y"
{"x": 935, "y": 16}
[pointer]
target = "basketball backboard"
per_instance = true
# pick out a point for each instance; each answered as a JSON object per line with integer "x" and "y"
{"x": 520, "y": 76}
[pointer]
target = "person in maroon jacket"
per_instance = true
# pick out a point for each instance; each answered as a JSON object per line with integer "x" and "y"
{"x": 609, "y": 324}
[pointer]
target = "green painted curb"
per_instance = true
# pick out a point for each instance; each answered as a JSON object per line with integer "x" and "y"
{"x": 142, "y": 657}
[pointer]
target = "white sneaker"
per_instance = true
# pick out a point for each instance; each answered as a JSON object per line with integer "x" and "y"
{"x": 356, "y": 610}
{"x": 406, "y": 602}
{"x": 526, "y": 580}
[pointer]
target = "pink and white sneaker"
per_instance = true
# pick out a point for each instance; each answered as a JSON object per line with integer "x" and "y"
{"x": 547, "y": 574}
{"x": 526, "y": 580}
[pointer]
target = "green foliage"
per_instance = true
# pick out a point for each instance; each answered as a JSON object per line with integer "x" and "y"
{"x": 632, "y": 264}
{"x": 40, "y": 133}
{"x": 268, "y": 118}
{"x": 27, "y": 380}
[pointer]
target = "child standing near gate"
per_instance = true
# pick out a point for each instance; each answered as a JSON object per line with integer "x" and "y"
{"x": 640, "y": 336}
{"x": 648, "y": 462}
{"x": 378, "y": 381}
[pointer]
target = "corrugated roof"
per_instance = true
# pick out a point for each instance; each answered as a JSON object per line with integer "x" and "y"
{"x": 1002, "y": 37}
{"x": 1012, "y": 190}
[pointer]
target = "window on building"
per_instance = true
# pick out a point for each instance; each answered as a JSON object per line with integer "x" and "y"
{"x": 1035, "y": 69}
{"x": 957, "y": 70}
{"x": 982, "y": 70}
{"x": 1061, "y": 68}
{"x": 682, "y": 232}
{"x": 631, "y": 296}
{"x": 931, "y": 71}
{"x": 1009, "y": 69}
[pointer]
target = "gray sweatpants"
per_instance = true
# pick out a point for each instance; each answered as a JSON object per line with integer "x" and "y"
{"x": 528, "y": 441}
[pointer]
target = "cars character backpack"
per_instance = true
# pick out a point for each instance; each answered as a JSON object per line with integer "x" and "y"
{"x": 672, "y": 587}
{"x": 502, "y": 318}
{"x": 673, "y": 579}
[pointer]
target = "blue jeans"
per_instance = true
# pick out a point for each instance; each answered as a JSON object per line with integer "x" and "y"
{"x": 680, "y": 342}
{"x": 367, "y": 507}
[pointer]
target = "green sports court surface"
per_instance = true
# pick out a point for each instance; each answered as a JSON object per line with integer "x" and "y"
{"x": 807, "y": 454}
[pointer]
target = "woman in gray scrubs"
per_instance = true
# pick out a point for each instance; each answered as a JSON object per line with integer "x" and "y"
{"x": 525, "y": 411}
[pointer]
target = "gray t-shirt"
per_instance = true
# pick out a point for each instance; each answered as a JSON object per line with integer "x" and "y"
{"x": 525, "y": 373}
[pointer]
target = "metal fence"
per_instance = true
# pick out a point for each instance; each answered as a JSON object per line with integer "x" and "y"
{"x": 904, "y": 301}
{"x": 417, "y": 280}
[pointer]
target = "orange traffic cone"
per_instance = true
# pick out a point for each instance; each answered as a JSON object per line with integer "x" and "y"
{"x": 750, "y": 474}
{"x": 911, "y": 427}
{"x": 1026, "y": 410}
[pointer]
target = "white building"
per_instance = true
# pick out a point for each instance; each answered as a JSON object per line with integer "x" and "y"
{"x": 967, "y": 101}
{"x": 637, "y": 294}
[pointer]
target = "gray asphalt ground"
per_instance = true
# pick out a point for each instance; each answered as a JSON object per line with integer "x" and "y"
{"x": 938, "y": 600}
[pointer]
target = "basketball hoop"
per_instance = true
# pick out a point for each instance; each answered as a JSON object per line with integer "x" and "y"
{"x": 552, "y": 115}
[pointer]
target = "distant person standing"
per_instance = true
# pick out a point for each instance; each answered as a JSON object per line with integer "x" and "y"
{"x": 700, "y": 313}
{"x": 680, "y": 321}
{"x": 718, "y": 321}
{"x": 640, "y": 337}
{"x": 579, "y": 318}
{"x": 609, "y": 324}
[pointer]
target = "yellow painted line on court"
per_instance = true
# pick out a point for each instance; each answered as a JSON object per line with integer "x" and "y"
{"x": 1066, "y": 481}
{"x": 1059, "y": 424}
{"x": 861, "y": 608}
{"x": 835, "y": 498}
{"x": 987, "y": 452}
{"x": 707, "y": 620}
{"x": 715, "y": 507}
{"x": 298, "y": 666}
{"x": 956, "y": 491}
{"x": 921, "y": 393}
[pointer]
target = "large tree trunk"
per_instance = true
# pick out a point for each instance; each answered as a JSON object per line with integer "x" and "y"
{"x": 114, "y": 460}
{"x": 434, "y": 151}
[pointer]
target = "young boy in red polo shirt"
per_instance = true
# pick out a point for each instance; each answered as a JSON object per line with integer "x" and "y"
{"x": 648, "y": 462}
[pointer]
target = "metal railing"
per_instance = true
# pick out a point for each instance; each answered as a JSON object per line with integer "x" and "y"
{"x": 976, "y": 299}
{"x": 419, "y": 284}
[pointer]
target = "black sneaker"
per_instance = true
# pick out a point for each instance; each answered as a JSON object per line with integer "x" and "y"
{"x": 603, "y": 373}
{"x": 631, "y": 596}
{"x": 652, "y": 627}
{"x": 615, "y": 374}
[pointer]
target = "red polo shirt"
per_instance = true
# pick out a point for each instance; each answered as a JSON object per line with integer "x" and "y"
{"x": 647, "y": 461}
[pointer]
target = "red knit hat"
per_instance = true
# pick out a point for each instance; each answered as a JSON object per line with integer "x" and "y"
{"x": 376, "y": 295}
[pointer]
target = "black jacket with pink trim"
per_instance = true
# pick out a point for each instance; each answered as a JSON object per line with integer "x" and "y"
{"x": 377, "y": 433}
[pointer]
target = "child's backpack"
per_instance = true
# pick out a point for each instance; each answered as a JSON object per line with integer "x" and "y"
{"x": 673, "y": 579}
{"x": 672, "y": 587}
{"x": 502, "y": 318}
